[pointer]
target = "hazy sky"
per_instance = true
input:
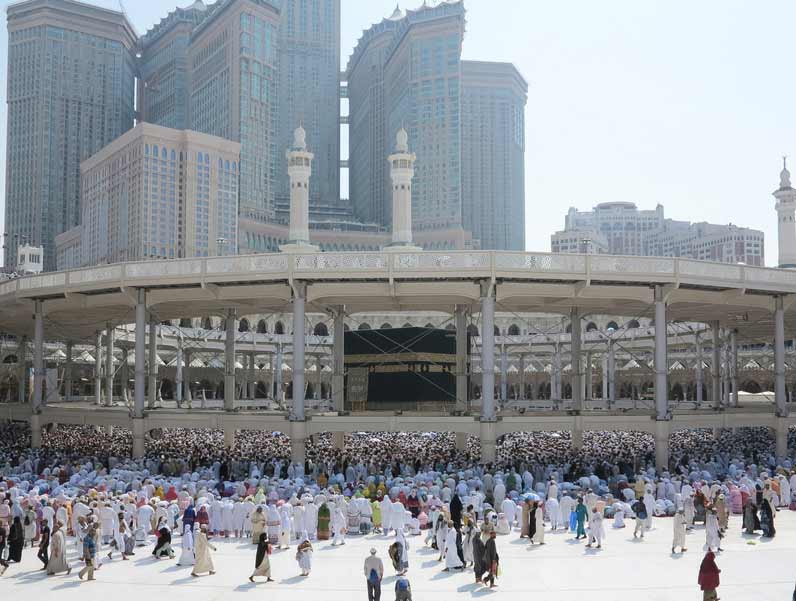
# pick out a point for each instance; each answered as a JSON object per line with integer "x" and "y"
{"x": 688, "y": 104}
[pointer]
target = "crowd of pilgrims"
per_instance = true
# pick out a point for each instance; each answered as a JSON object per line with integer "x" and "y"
{"x": 82, "y": 488}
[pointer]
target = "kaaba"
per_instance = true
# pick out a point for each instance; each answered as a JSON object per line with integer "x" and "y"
{"x": 400, "y": 368}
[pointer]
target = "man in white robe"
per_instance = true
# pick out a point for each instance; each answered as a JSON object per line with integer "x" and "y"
{"x": 509, "y": 509}
{"x": 554, "y": 513}
{"x": 538, "y": 536}
{"x": 204, "y": 561}
{"x": 679, "y": 528}
{"x": 398, "y": 516}
{"x": 386, "y": 515}
{"x": 339, "y": 524}
{"x": 451, "y": 554}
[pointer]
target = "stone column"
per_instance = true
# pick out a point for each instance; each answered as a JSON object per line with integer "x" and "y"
{"x": 68, "y": 372}
{"x": 140, "y": 354}
{"x": 109, "y": 343}
{"x": 577, "y": 432}
{"x": 35, "y": 431}
{"x": 319, "y": 377}
{"x": 252, "y": 376}
{"x": 125, "y": 376}
{"x": 555, "y": 374}
{"x": 715, "y": 368}
{"x": 278, "y": 372}
{"x": 662, "y": 432}
{"x": 734, "y": 366}
{"x": 522, "y": 376}
{"x": 98, "y": 367}
{"x": 229, "y": 437}
{"x": 699, "y": 377}
{"x": 38, "y": 357}
{"x": 22, "y": 372}
{"x": 460, "y": 317}
{"x": 229, "y": 362}
{"x": 461, "y": 441}
{"x": 577, "y": 370}
{"x": 589, "y": 377}
{"x": 298, "y": 436}
{"x": 299, "y": 335}
{"x": 338, "y": 360}
{"x": 661, "y": 360}
{"x": 604, "y": 361}
{"x": 726, "y": 370}
{"x": 504, "y": 374}
{"x": 779, "y": 358}
{"x": 153, "y": 364}
{"x": 179, "y": 372}
{"x": 139, "y": 438}
{"x": 487, "y": 352}
{"x": 488, "y": 440}
{"x": 781, "y": 435}
{"x": 611, "y": 372}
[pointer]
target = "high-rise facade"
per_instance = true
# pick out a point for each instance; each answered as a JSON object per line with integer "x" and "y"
{"x": 156, "y": 193}
{"x": 620, "y": 228}
{"x": 71, "y": 78}
{"x": 164, "y": 69}
{"x": 494, "y": 96}
{"x": 309, "y": 93}
{"x": 465, "y": 122}
{"x": 213, "y": 69}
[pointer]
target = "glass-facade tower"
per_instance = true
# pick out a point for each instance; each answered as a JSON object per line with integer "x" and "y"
{"x": 71, "y": 78}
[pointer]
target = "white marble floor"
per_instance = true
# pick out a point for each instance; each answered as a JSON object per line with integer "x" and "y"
{"x": 561, "y": 570}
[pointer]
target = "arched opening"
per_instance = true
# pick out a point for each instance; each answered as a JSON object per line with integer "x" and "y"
{"x": 321, "y": 329}
{"x": 407, "y": 325}
{"x": 364, "y": 326}
{"x": 497, "y": 331}
{"x": 279, "y": 328}
{"x": 591, "y": 326}
{"x": 185, "y": 322}
{"x": 450, "y": 327}
{"x": 632, "y": 324}
{"x": 472, "y": 329}
{"x": 10, "y": 359}
{"x": 167, "y": 389}
{"x": 751, "y": 387}
{"x": 514, "y": 330}
{"x": 262, "y": 327}
{"x": 612, "y": 326}
{"x": 385, "y": 326}
{"x": 207, "y": 323}
{"x": 346, "y": 328}
{"x": 243, "y": 325}
{"x": 166, "y": 323}
{"x": 429, "y": 326}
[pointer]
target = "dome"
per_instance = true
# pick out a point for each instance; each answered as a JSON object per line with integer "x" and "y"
{"x": 198, "y": 5}
{"x": 300, "y": 138}
{"x": 784, "y": 175}
{"x": 402, "y": 141}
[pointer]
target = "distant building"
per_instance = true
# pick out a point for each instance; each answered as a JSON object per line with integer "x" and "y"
{"x": 213, "y": 69}
{"x": 465, "y": 122}
{"x": 620, "y": 228}
{"x": 71, "y": 80}
{"x": 309, "y": 93}
{"x": 493, "y": 154}
{"x": 156, "y": 193}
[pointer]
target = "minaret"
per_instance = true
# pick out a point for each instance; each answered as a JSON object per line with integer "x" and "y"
{"x": 299, "y": 168}
{"x": 402, "y": 170}
{"x": 786, "y": 211}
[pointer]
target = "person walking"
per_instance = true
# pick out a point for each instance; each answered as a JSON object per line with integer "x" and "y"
{"x": 709, "y": 577}
{"x": 44, "y": 545}
{"x": 89, "y": 553}
{"x": 491, "y": 559}
{"x": 262, "y": 561}
{"x": 374, "y": 572}
{"x": 403, "y": 590}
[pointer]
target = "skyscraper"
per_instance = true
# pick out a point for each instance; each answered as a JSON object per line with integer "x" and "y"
{"x": 309, "y": 93}
{"x": 71, "y": 78}
{"x": 165, "y": 71}
{"x": 465, "y": 121}
{"x": 406, "y": 72}
{"x": 493, "y": 154}
{"x": 213, "y": 69}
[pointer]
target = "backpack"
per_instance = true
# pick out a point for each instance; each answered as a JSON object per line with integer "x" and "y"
{"x": 403, "y": 584}
{"x": 374, "y": 576}
{"x": 640, "y": 509}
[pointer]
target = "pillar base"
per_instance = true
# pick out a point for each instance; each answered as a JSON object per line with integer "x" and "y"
{"x": 109, "y": 430}
{"x": 139, "y": 438}
{"x": 662, "y": 433}
{"x": 577, "y": 433}
{"x": 461, "y": 441}
{"x": 782, "y": 438}
{"x": 338, "y": 440}
{"x": 488, "y": 442}
{"x": 229, "y": 438}
{"x": 35, "y": 431}
{"x": 298, "y": 440}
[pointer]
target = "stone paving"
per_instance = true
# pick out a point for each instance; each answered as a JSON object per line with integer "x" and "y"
{"x": 561, "y": 570}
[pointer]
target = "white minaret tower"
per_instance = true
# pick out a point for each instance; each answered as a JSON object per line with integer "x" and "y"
{"x": 402, "y": 170}
{"x": 786, "y": 211}
{"x": 299, "y": 168}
